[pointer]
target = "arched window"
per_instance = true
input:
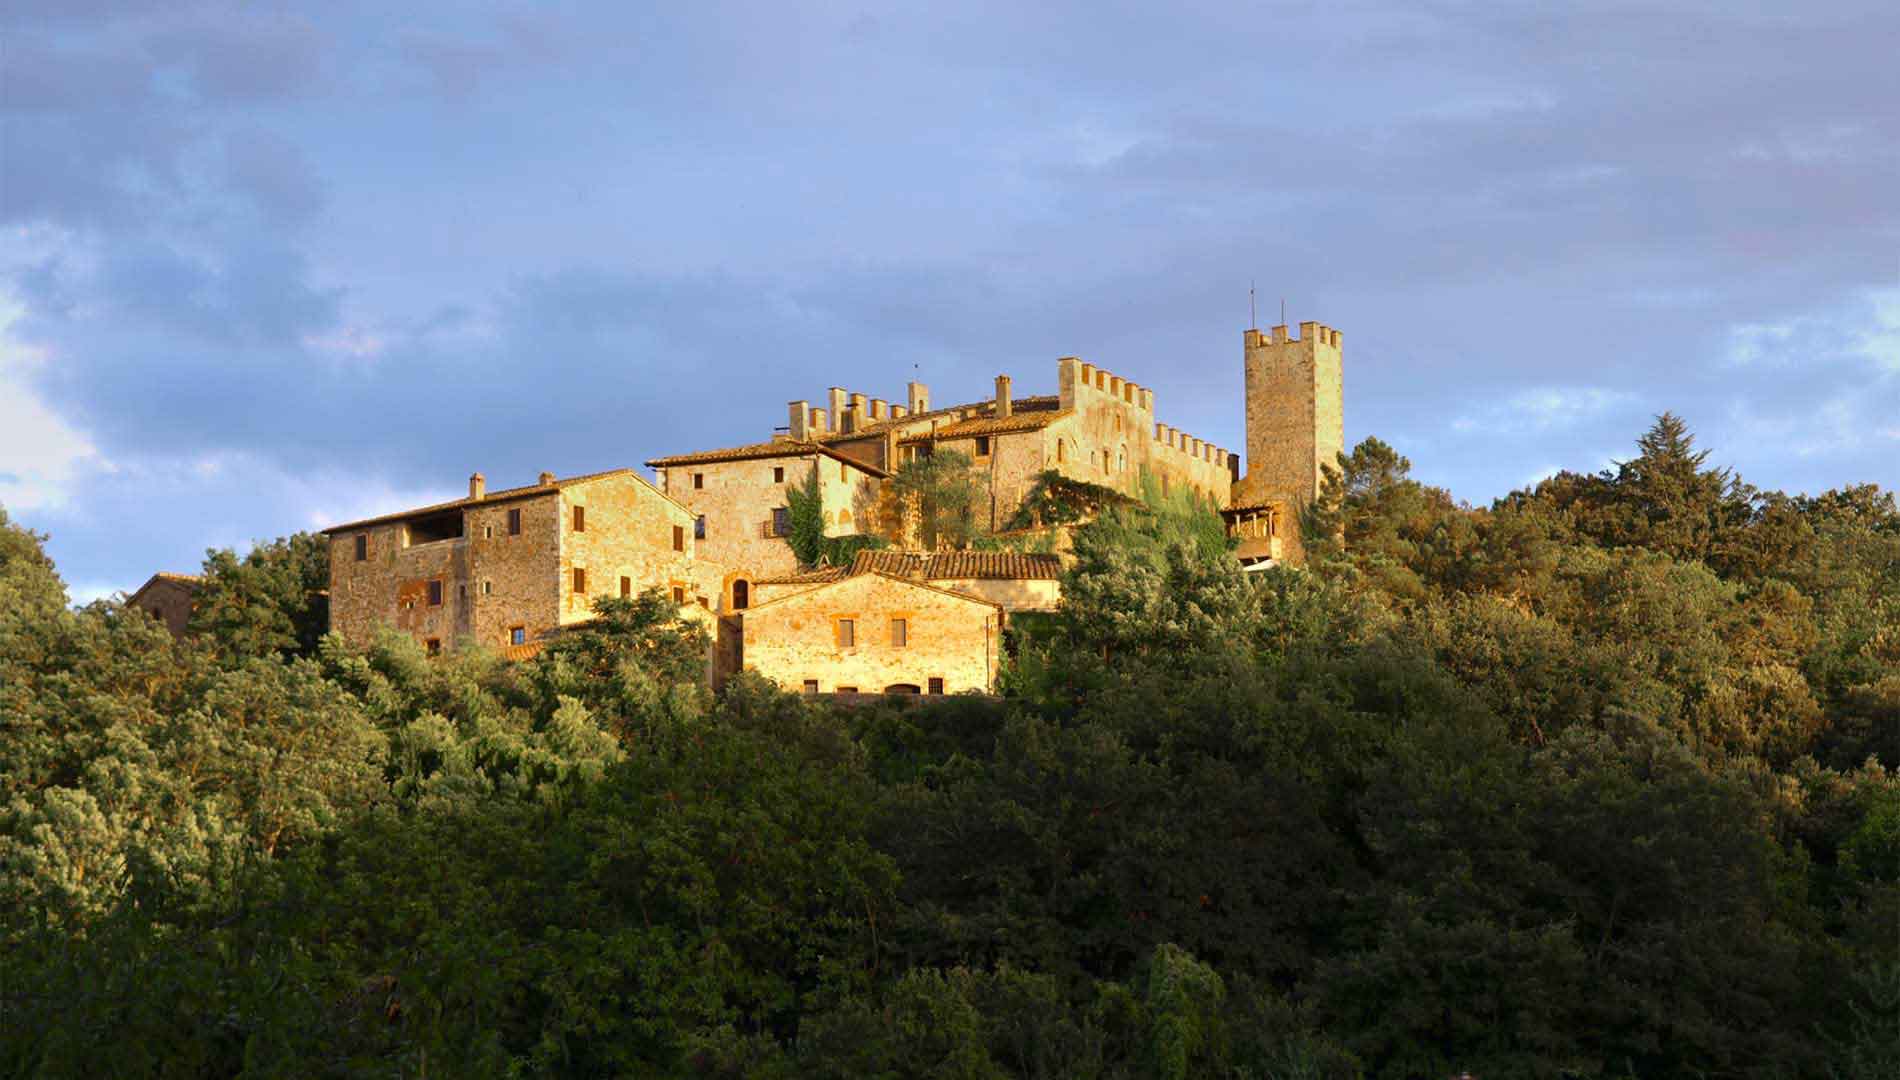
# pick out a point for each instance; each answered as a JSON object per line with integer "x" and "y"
{"x": 1121, "y": 460}
{"x": 741, "y": 594}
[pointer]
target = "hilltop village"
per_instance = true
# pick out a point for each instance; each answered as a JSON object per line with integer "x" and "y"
{"x": 509, "y": 568}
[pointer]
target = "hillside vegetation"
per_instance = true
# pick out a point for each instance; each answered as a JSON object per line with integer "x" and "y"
{"x": 1593, "y": 782}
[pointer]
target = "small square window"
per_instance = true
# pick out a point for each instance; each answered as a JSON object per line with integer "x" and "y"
{"x": 811, "y": 686}
{"x": 900, "y": 633}
{"x": 936, "y": 686}
{"x": 518, "y": 635}
{"x": 580, "y": 519}
{"x": 679, "y": 595}
{"x": 781, "y": 521}
{"x": 847, "y": 633}
{"x": 982, "y": 446}
{"x": 778, "y": 474}
{"x": 626, "y": 586}
{"x": 699, "y": 527}
{"x": 699, "y": 480}
{"x": 435, "y": 646}
{"x": 435, "y": 593}
{"x": 679, "y": 538}
{"x": 514, "y": 522}
{"x": 580, "y": 580}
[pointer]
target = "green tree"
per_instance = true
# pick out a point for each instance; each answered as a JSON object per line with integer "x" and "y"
{"x": 934, "y": 496}
{"x": 273, "y": 600}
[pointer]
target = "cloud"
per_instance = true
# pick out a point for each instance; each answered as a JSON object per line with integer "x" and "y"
{"x": 274, "y": 174}
{"x": 41, "y": 457}
{"x": 1544, "y": 409}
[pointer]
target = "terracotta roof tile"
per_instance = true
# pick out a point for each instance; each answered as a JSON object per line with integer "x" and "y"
{"x": 990, "y": 425}
{"x": 1033, "y": 404}
{"x": 756, "y": 451}
{"x": 959, "y": 565}
{"x": 809, "y": 577}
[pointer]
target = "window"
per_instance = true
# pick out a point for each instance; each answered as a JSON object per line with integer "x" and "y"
{"x": 778, "y": 474}
{"x": 679, "y": 538}
{"x": 517, "y": 635}
{"x": 699, "y": 527}
{"x": 514, "y": 522}
{"x": 488, "y": 532}
{"x": 626, "y": 586}
{"x": 811, "y": 686}
{"x": 936, "y": 686}
{"x": 900, "y": 633}
{"x": 844, "y": 472}
{"x": 781, "y": 522}
{"x": 741, "y": 594}
{"x": 580, "y": 580}
{"x": 488, "y": 588}
{"x": 982, "y": 446}
{"x": 461, "y": 592}
{"x": 580, "y": 519}
{"x": 901, "y": 688}
{"x": 435, "y": 646}
{"x": 847, "y": 689}
{"x": 434, "y": 528}
{"x": 699, "y": 480}
{"x": 679, "y": 595}
{"x": 435, "y": 593}
{"x": 362, "y": 547}
{"x": 1062, "y": 451}
{"x": 847, "y": 633}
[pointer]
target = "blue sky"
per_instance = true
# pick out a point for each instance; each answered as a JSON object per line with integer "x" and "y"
{"x": 266, "y": 267}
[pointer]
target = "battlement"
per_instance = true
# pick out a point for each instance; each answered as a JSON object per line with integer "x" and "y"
{"x": 1309, "y": 332}
{"x": 1076, "y": 381}
{"x": 1189, "y": 446}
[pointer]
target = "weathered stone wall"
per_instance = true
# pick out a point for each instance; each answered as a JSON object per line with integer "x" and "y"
{"x": 168, "y": 601}
{"x": 390, "y": 587}
{"x": 513, "y": 580}
{"x": 1113, "y": 435}
{"x": 1011, "y": 594}
{"x": 738, "y": 497}
{"x": 629, "y": 534}
{"x": 951, "y": 637}
{"x": 1295, "y": 419}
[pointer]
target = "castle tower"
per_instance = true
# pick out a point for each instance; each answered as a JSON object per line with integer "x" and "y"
{"x": 1294, "y": 419}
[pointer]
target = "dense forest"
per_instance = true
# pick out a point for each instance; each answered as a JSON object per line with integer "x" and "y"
{"x": 1595, "y": 781}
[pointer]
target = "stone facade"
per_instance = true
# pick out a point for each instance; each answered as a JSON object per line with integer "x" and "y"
{"x": 516, "y": 564}
{"x": 169, "y": 598}
{"x": 948, "y": 643}
{"x": 1010, "y": 580}
{"x": 1295, "y": 421}
{"x": 742, "y": 496}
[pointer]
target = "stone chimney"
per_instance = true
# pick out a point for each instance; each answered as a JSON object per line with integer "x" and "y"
{"x": 818, "y": 421}
{"x": 863, "y": 405}
{"x": 546, "y": 479}
{"x": 853, "y": 419}
{"x": 919, "y": 398}
{"x": 800, "y": 417}
{"x": 477, "y": 486}
{"x": 898, "y": 412}
{"x": 1003, "y": 404}
{"x": 877, "y": 408}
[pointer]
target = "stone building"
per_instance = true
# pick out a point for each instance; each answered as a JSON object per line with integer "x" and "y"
{"x": 875, "y": 633}
{"x": 506, "y": 568}
{"x": 169, "y": 598}
{"x": 1295, "y": 425}
{"x": 741, "y": 513}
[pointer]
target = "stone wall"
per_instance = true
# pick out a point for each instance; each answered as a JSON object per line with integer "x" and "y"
{"x": 629, "y": 534}
{"x": 950, "y": 637}
{"x": 1295, "y": 420}
{"x": 1011, "y": 595}
{"x": 738, "y": 497}
{"x": 1113, "y": 436}
{"x": 167, "y": 599}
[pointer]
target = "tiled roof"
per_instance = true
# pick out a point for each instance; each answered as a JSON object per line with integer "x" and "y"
{"x": 525, "y": 492}
{"x": 774, "y": 449}
{"x": 809, "y": 577}
{"x": 992, "y": 425}
{"x": 1038, "y": 403}
{"x": 959, "y": 565}
{"x": 525, "y": 651}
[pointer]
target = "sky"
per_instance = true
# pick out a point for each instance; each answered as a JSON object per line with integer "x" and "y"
{"x": 268, "y": 267}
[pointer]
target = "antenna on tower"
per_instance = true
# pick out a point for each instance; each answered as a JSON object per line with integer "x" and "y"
{"x": 1253, "y": 316}
{"x": 1283, "y": 311}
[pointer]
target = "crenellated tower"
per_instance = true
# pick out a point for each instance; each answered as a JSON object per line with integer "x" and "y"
{"x": 1295, "y": 420}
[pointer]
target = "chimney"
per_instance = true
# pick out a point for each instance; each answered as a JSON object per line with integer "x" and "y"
{"x": 546, "y": 479}
{"x": 919, "y": 398}
{"x": 898, "y": 412}
{"x": 818, "y": 421}
{"x": 1004, "y": 406}
{"x": 852, "y": 419}
{"x": 477, "y": 486}
{"x": 801, "y": 416}
{"x": 877, "y": 408}
{"x": 835, "y": 397}
{"x": 863, "y": 405}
